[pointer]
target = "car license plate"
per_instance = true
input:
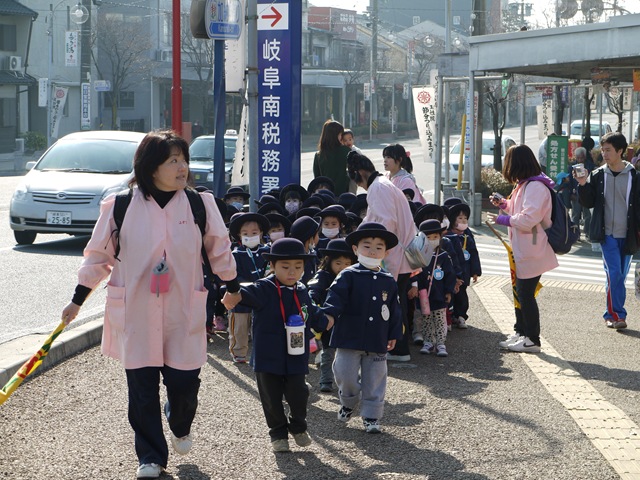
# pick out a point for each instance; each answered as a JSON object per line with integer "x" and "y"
{"x": 58, "y": 218}
{"x": 197, "y": 176}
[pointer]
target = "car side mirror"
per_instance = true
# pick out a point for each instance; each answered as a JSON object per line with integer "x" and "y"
{"x": 30, "y": 164}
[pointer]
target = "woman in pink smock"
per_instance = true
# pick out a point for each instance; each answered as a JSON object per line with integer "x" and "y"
{"x": 154, "y": 322}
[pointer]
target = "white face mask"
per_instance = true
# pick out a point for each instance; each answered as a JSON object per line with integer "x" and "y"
{"x": 330, "y": 232}
{"x": 369, "y": 262}
{"x": 276, "y": 235}
{"x": 462, "y": 226}
{"x": 311, "y": 247}
{"x": 251, "y": 242}
{"x": 445, "y": 223}
{"x": 292, "y": 206}
{"x": 434, "y": 243}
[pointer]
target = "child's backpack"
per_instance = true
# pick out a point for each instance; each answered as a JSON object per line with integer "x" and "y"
{"x": 562, "y": 233}
{"x": 123, "y": 199}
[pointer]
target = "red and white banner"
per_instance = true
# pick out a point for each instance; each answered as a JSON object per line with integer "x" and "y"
{"x": 57, "y": 107}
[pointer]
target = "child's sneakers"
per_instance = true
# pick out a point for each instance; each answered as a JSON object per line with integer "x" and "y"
{"x": 371, "y": 425}
{"x": 441, "y": 351}
{"x": 344, "y": 415}
{"x": 418, "y": 339}
{"x": 302, "y": 439}
{"x": 237, "y": 359}
{"x": 462, "y": 323}
{"x": 427, "y": 348}
{"x": 219, "y": 324}
{"x": 280, "y": 445}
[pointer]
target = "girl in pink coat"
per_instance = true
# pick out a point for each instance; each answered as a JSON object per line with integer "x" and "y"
{"x": 400, "y": 170}
{"x": 527, "y": 212}
{"x": 156, "y": 325}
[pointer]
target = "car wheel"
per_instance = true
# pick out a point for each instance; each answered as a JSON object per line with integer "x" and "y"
{"x": 24, "y": 237}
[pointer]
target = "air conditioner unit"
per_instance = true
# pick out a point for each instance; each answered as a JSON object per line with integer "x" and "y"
{"x": 164, "y": 55}
{"x": 15, "y": 63}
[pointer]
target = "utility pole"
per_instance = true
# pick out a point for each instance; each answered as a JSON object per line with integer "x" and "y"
{"x": 374, "y": 68}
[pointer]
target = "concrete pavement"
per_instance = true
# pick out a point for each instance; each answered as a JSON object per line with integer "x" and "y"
{"x": 569, "y": 413}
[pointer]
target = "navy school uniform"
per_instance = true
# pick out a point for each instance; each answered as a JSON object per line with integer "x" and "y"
{"x": 366, "y": 309}
{"x": 250, "y": 266}
{"x": 458, "y": 253}
{"x": 310, "y": 267}
{"x": 444, "y": 279}
{"x": 450, "y": 248}
{"x": 318, "y": 288}
{"x": 269, "y": 335}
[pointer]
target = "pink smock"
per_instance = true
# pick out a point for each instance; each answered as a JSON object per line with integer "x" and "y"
{"x": 144, "y": 329}
{"x": 530, "y": 210}
{"x": 388, "y": 205}
{"x": 404, "y": 180}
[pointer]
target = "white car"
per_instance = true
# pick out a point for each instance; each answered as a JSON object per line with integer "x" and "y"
{"x": 596, "y": 130}
{"x": 63, "y": 191}
{"x": 488, "y": 144}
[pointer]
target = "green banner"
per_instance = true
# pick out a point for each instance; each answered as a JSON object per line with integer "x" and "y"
{"x": 557, "y": 155}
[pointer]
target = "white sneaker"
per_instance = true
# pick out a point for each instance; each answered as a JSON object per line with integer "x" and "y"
{"x": 524, "y": 345}
{"x": 182, "y": 445}
{"x": 441, "y": 351}
{"x": 427, "y": 348}
{"x": 149, "y": 470}
{"x": 398, "y": 358}
{"x": 513, "y": 338}
{"x": 462, "y": 323}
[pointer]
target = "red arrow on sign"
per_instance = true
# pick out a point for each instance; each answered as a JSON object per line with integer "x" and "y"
{"x": 276, "y": 16}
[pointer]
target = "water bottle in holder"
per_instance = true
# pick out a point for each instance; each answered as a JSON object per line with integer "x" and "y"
{"x": 295, "y": 335}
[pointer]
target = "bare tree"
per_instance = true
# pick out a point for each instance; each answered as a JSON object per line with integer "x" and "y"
{"x": 123, "y": 55}
{"x": 615, "y": 102}
{"x": 354, "y": 66}
{"x": 198, "y": 56}
{"x": 496, "y": 94}
{"x": 423, "y": 56}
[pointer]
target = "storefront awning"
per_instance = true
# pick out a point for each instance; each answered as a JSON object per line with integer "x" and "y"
{"x": 8, "y": 77}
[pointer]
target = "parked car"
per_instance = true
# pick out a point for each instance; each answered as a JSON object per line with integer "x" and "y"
{"x": 201, "y": 158}
{"x": 597, "y": 130}
{"x": 63, "y": 190}
{"x": 488, "y": 144}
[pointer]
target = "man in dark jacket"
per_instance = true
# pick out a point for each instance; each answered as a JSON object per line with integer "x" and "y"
{"x": 613, "y": 193}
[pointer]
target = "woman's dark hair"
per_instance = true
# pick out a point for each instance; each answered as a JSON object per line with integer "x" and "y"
{"x": 356, "y": 161}
{"x": 520, "y": 163}
{"x": 348, "y": 131}
{"x": 616, "y": 139}
{"x": 329, "y": 138}
{"x": 399, "y": 154}
{"x": 154, "y": 149}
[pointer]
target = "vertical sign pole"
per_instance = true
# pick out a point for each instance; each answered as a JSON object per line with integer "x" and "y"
{"x": 220, "y": 109}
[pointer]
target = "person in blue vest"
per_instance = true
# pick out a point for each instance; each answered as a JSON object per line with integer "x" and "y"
{"x": 364, "y": 301}
{"x": 274, "y": 300}
{"x": 247, "y": 229}
{"x": 437, "y": 280}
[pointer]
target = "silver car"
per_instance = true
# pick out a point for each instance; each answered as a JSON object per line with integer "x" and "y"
{"x": 63, "y": 191}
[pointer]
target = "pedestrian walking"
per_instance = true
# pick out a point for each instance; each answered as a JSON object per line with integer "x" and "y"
{"x": 363, "y": 299}
{"x": 281, "y": 361}
{"x": 612, "y": 191}
{"x": 156, "y": 299}
{"x": 387, "y": 205}
{"x": 331, "y": 157}
{"x": 527, "y": 212}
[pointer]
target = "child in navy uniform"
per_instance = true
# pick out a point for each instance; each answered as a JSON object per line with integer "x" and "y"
{"x": 279, "y": 374}
{"x": 334, "y": 218}
{"x": 364, "y": 301}
{"x": 306, "y": 230}
{"x": 336, "y": 257}
{"x": 247, "y": 229}
{"x": 459, "y": 218}
{"x": 438, "y": 281}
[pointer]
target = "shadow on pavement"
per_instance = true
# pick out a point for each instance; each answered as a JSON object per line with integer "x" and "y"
{"x": 70, "y": 247}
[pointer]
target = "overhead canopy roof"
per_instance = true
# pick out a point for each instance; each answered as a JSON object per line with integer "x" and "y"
{"x": 567, "y": 52}
{"x": 11, "y": 7}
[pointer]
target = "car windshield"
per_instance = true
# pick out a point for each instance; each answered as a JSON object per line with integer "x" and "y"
{"x": 596, "y": 130}
{"x": 487, "y": 146}
{"x": 202, "y": 148}
{"x": 91, "y": 156}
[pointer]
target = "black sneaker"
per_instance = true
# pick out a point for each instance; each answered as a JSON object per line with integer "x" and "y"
{"x": 344, "y": 415}
{"x": 371, "y": 425}
{"x": 326, "y": 387}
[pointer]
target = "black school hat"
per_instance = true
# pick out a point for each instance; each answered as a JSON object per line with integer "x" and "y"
{"x": 375, "y": 230}
{"x": 338, "y": 247}
{"x": 287, "y": 249}
{"x": 316, "y": 182}
{"x": 304, "y": 228}
{"x": 308, "y": 212}
{"x": 276, "y": 218}
{"x": 428, "y": 210}
{"x": 240, "y": 219}
{"x": 314, "y": 201}
{"x": 359, "y": 204}
{"x": 292, "y": 187}
{"x": 346, "y": 199}
{"x": 431, "y": 226}
{"x": 271, "y": 207}
{"x": 410, "y": 192}
{"x": 451, "y": 201}
{"x": 455, "y": 210}
{"x": 237, "y": 192}
{"x": 335, "y": 211}
{"x": 264, "y": 199}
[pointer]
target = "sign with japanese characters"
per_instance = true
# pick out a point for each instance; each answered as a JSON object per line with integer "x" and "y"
{"x": 71, "y": 50}
{"x": 57, "y": 107}
{"x": 424, "y": 99}
{"x": 557, "y": 155}
{"x": 223, "y": 19}
{"x": 279, "y": 93}
{"x": 85, "y": 106}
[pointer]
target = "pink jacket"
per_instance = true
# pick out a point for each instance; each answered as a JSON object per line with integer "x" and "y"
{"x": 530, "y": 210}
{"x": 404, "y": 180}
{"x": 388, "y": 205}
{"x": 141, "y": 328}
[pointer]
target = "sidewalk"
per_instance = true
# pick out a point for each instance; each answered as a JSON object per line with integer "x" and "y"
{"x": 569, "y": 413}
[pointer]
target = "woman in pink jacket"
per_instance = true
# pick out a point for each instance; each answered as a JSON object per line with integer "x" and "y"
{"x": 155, "y": 326}
{"x": 527, "y": 213}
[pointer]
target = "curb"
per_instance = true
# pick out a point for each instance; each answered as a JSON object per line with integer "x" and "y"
{"x": 66, "y": 345}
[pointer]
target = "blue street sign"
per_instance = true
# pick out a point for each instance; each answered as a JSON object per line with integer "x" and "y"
{"x": 223, "y": 19}
{"x": 279, "y": 92}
